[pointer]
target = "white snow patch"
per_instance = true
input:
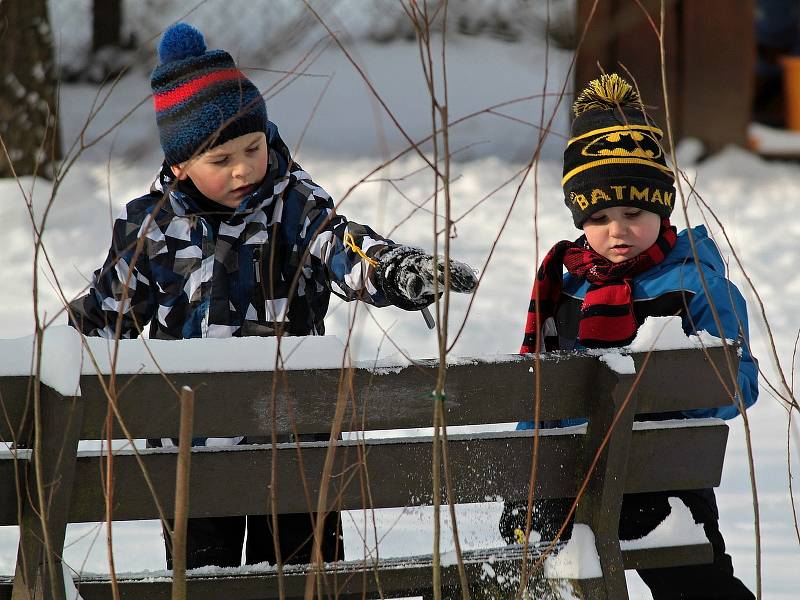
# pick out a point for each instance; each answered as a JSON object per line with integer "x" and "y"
{"x": 619, "y": 363}
{"x": 70, "y": 590}
{"x": 666, "y": 333}
{"x": 262, "y": 567}
{"x": 393, "y": 363}
{"x": 61, "y": 359}
{"x": 161, "y": 575}
{"x": 569, "y": 430}
{"x": 487, "y": 571}
{"x": 9, "y": 453}
{"x": 491, "y": 357}
{"x": 578, "y": 559}
{"x": 771, "y": 141}
{"x": 676, "y": 423}
{"x": 678, "y": 529}
{"x": 205, "y": 355}
{"x": 689, "y": 151}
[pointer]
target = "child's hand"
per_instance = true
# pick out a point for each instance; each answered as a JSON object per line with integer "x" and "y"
{"x": 406, "y": 276}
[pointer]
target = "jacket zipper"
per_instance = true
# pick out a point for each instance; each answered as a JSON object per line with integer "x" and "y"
{"x": 259, "y": 301}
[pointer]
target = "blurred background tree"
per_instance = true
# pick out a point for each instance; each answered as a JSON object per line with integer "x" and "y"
{"x": 28, "y": 94}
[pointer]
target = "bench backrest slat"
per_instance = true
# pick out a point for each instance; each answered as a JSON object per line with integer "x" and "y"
{"x": 684, "y": 379}
{"x": 306, "y": 400}
{"x": 234, "y": 482}
{"x": 482, "y": 392}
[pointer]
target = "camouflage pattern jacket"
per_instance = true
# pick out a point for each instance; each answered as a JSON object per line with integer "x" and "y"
{"x": 274, "y": 260}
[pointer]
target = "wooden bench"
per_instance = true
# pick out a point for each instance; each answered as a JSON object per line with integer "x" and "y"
{"x": 234, "y": 481}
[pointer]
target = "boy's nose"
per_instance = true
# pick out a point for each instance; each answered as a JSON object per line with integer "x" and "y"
{"x": 241, "y": 170}
{"x": 616, "y": 228}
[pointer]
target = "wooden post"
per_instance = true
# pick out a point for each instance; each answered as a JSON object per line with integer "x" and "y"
{"x": 709, "y": 54}
{"x": 718, "y": 73}
{"x": 61, "y": 420}
{"x": 106, "y": 24}
{"x": 599, "y": 508}
{"x": 182, "y": 495}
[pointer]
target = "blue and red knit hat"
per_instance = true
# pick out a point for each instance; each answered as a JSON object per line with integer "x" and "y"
{"x": 201, "y": 98}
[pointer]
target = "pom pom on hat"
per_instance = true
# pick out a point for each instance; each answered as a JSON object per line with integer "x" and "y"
{"x": 180, "y": 41}
{"x": 608, "y": 92}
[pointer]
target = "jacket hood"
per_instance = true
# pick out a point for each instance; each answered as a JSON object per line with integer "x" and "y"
{"x": 707, "y": 251}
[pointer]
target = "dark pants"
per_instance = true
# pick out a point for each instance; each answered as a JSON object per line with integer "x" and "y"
{"x": 640, "y": 514}
{"x": 218, "y": 540}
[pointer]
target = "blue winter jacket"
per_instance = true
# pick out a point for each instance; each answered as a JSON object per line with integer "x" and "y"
{"x": 674, "y": 287}
{"x": 273, "y": 262}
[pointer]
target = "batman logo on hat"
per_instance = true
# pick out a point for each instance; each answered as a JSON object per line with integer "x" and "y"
{"x": 624, "y": 143}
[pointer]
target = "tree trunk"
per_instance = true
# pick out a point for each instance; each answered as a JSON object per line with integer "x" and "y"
{"x": 28, "y": 106}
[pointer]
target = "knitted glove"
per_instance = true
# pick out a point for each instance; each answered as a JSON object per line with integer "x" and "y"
{"x": 405, "y": 275}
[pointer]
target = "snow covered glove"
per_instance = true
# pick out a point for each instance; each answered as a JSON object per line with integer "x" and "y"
{"x": 405, "y": 275}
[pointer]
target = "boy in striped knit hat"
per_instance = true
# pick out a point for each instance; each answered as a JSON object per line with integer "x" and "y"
{"x": 235, "y": 239}
{"x": 630, "y": 263}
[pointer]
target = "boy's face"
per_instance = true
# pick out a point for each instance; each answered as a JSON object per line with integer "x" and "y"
{"x": 622, "y": 232}
{"x": 228, "y": 172}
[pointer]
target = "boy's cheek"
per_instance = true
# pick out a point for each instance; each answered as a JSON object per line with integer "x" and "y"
{"x": 212, "y": 187}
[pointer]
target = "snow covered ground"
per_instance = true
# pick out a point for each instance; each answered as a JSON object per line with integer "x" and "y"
{"x": 346, "y": 138}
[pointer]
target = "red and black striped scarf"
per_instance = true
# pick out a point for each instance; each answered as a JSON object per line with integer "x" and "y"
{"x": 606, "y": 318}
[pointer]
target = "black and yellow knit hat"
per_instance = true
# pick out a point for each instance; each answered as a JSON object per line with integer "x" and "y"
{"x": 613, "y": 157}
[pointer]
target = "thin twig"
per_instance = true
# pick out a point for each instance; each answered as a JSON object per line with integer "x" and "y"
{"x": 179, "y": 530}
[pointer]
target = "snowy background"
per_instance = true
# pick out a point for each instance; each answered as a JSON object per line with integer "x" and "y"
{"x": 341, "y": 134}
